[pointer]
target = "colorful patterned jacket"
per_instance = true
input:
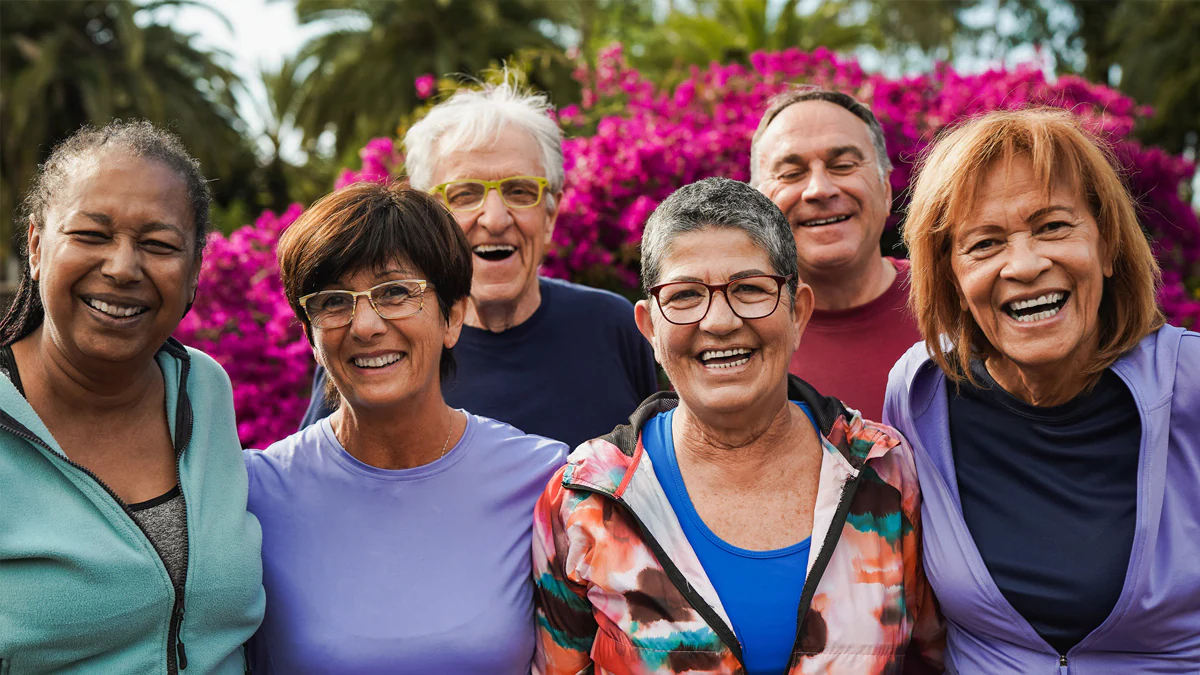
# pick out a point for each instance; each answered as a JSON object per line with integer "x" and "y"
{"x": 619, "y": 589}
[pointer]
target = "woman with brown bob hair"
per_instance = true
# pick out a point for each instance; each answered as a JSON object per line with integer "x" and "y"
{"x": 1055, "y": 418}
{"x": 396, "y": 532}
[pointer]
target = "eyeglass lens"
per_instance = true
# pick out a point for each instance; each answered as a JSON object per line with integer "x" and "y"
{"x": 749, "y": 298}
{"x": 393, "y": 300}
{"x": 515, "y": 192}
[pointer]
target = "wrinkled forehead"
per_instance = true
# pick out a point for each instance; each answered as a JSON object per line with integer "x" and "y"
{"x": 468, "y": 151}
{"x": 814, "y": 128}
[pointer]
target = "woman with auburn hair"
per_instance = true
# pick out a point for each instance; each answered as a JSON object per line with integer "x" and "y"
{"x": 1054, "y": 417}
{"x": 396, "y": 531}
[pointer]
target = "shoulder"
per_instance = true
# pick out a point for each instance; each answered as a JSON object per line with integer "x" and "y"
{"x": 282, "y": 457}
{"x": 203, "y": 369}
{"x": 516, "y": 444}
{"x": 585, "y": 299}
{"x": 906, "y": 368}
{"x": 893, "y": 463}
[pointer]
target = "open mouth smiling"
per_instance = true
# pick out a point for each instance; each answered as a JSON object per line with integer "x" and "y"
{"x": 381, "y": 361}
{"x": 1036, "y": 309}
{"x": 725, "y": 358}
{"x": 817, "y": 222}
{"x": 494, "y": 252}
{"x": 115, "y": 310}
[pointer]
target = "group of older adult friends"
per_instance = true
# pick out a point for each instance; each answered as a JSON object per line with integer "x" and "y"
{"x": 489, "y": 481}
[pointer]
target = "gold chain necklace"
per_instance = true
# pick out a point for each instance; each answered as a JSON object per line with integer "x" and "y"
{"x": 446, "y": 443}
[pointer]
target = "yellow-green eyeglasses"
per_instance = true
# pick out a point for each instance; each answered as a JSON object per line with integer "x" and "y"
{"x": 468, "y": 194}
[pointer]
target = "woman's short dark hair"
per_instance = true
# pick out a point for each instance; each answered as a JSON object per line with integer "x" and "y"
{"x": 367, "y": 226}
{"x": 138, "y": 138}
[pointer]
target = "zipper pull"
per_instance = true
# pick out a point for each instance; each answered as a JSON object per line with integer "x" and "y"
{"x": 180, "y": 651}
{"x": 1062, "y": 665}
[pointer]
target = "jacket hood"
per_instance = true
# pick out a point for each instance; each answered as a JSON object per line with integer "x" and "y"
{"x": 607, "y": 463}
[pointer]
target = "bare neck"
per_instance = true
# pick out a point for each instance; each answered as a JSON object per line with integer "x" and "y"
{"x": 742, "y": 454}
{"x": 847, "y": 289}
{"x": 1046, "y": 386}
{"x": 497, "y": 317}
{"x": 404, "y": 436}
{"x": 51, "y": 378}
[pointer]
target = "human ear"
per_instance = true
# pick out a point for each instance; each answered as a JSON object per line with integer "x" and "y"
{"x": 802, "y": 308}
{"x": 552, "y": 216}
{"x": 34, "y": 241}
{"x": 645, "y": 324}
{"x": 454, "y": 323}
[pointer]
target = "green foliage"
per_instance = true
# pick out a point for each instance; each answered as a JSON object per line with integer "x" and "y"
{"x": 70, "y": 63}
{"x": 362, "y": 71}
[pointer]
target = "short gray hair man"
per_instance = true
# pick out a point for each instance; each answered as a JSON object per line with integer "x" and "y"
{"x": 789, "y": 98}
{"x": 474, "y": 118}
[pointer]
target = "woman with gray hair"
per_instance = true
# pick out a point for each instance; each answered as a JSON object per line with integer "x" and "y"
{"x": 684, "y": 541}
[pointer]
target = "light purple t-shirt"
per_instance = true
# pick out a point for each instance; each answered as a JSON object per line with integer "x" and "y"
{"x": 423, "y": 570}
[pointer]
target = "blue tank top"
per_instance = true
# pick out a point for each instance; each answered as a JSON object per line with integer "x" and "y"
{"x": 760, "y": 590}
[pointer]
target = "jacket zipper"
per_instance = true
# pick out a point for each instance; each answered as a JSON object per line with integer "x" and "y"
{"x": 1062, "y": 665}
{"x": 832, "y": 537}
{"x": 175, "y": 649}
{"x": 710, "y": 616}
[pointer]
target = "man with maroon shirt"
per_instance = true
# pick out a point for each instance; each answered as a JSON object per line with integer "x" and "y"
{"x": 820, "y": 156}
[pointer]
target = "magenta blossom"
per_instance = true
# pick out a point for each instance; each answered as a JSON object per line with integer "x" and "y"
{"x": 426, "y": 86}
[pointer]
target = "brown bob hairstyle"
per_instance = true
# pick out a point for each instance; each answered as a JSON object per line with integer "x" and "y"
{"x": 1062, "y": 153}
{"x": 368, "y": 226}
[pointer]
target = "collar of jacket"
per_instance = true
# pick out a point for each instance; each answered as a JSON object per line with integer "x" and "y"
{"x": 607, "y": 464}
{"x": 19, "y": 418}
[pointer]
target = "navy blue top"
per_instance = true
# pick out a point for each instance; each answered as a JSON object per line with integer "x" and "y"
{"x": 573, "y": 371}
{"x": 760, "y": 590}
{"x": 1049, "y": 495}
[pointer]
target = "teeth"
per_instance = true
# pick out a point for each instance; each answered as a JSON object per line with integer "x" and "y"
{"x": 713, "y": 354}
{"x": 491, "y": 248}
{"x": 1039, "y": 316}
{"x": 115, "y": 310}
{"x": 377, "y": 361}
{"x": 731, "y": 364}
{"x": 825, "y": 221}
{"x": 1049, "y": 298}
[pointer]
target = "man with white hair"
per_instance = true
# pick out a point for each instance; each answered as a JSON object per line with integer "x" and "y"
{"x": 549, "y": 357}
{"x": 820, "y": 156}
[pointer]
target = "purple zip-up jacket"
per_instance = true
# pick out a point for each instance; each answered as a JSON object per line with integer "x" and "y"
{"x": 1155, "y": 625}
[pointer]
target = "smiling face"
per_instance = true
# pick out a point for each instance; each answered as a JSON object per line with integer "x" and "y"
{"x": 116, "y": 258}
{"x": 724, "y": 364}
{"x": 1030, "y": 267}
{"x": 508, "y": 243}
{"x": 378, "y": 363}
{"x": 822, "y": 172}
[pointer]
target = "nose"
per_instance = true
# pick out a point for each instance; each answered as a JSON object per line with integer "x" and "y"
{"x": 819, "y": 187}
{"x": 366, "y": 324}
{"x": 1025, "y": 261}
{"x": 494, "y": 215}
{"x": 124, "y": 264}
{"x": 720, "y": 319}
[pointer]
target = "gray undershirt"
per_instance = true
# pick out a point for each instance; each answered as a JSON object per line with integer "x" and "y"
{"x": 166, "y": 526}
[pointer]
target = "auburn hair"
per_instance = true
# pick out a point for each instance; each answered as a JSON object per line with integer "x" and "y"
{"x": 1062, "y": 154}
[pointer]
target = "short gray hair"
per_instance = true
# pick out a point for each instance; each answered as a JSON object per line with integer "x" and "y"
{"x": 719, "y": 203}
{"x": 473, "y": 118}
{"x": 789, "y": 98}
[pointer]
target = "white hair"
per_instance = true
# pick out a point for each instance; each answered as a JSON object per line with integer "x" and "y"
{"x": 475, "y": 118}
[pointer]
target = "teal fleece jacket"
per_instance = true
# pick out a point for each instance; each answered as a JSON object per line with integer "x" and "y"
{"x": 82, "y": 588}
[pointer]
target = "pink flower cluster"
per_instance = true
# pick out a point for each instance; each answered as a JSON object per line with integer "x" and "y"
{"x": 242, "y": 320}
{"x": 630, "y": 144}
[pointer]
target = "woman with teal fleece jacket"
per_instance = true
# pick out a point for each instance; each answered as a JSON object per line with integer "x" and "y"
{"x": 82, "y": 588}
{"x": 125, "y": 544}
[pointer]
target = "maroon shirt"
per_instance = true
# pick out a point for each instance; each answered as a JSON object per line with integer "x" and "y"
{"x": 848, "y": 353}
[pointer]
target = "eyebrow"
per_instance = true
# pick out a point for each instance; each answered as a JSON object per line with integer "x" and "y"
{"x": 1048, "y": 209}
{"x": 732, "y": 277}
{"x": 829, "y": 154}
{"x": 150, "y": 226}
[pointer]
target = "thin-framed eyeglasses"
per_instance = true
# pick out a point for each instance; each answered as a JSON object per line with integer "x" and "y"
{"x": 390, "y": 300}
{"x": 468, "y": 194}
{"x": 688, "y": 302}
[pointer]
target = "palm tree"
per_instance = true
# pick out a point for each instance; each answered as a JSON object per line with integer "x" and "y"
{"x": 76, "y": 62}
{"x": 362, "y": 71}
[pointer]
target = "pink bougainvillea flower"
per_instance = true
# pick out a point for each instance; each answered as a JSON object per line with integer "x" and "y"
{"x": 426, "y": 85}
